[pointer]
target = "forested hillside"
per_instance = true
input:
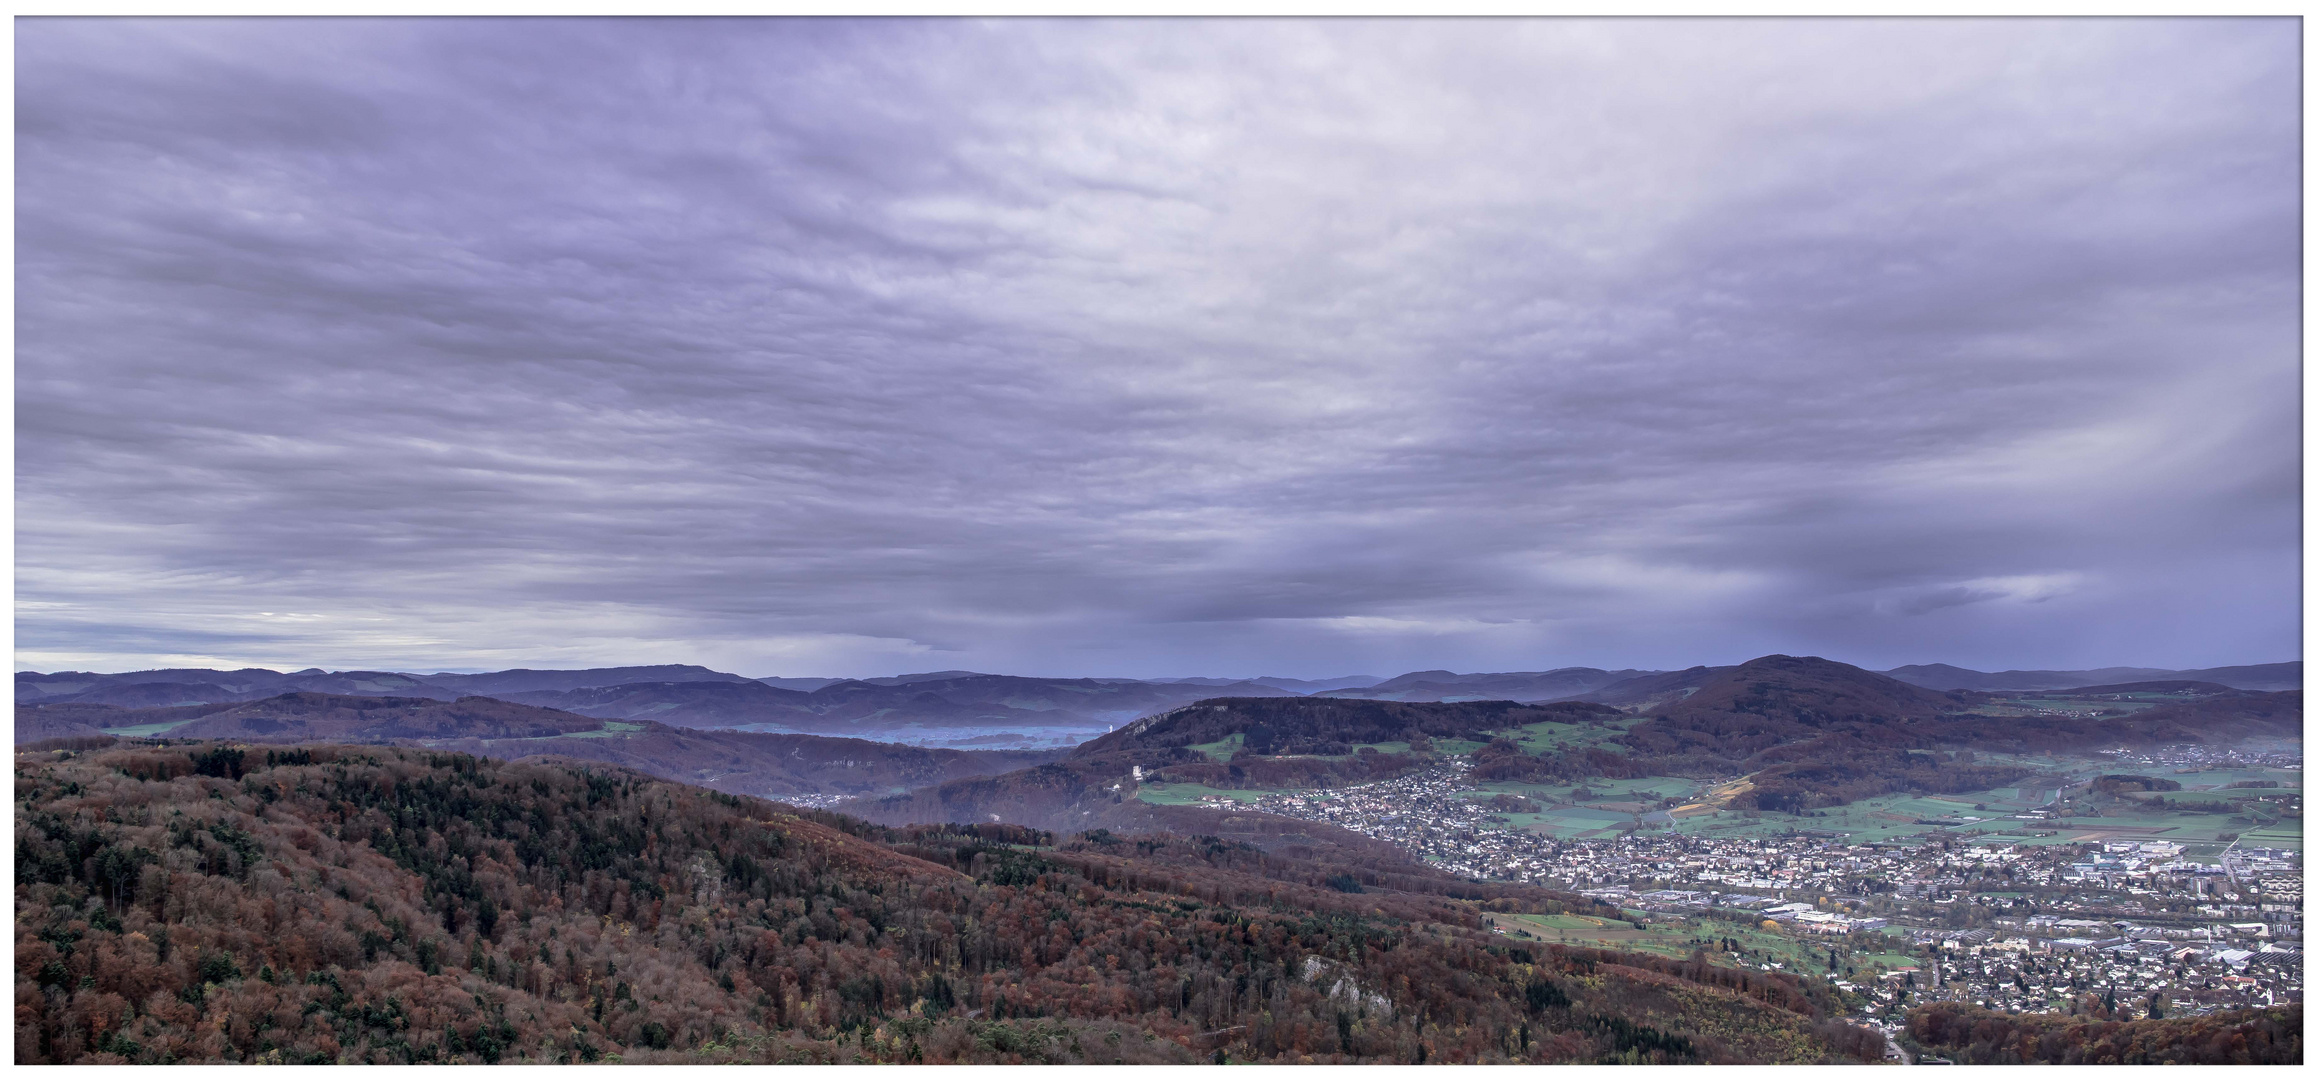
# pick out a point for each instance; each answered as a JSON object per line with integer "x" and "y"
{"x": 312, "y": 717}
{"x": 682, "y": 695}
{"x": 1972, "y": 1036}
{"x": 772, "y": 766}
{"x": 1814, "y": 733}
{"x": 1808, "y": 733}
{"x": 1554, "y": 685}
{"x": 1315, "y": 725}
{"x": 219, "y": 903}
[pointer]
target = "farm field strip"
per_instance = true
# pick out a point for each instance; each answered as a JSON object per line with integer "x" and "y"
{"x": 1680, "y": 936}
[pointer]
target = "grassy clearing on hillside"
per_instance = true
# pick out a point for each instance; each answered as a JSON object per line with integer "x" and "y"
{"x": 1222, "y": 749}
{"x": 1552, "y": 736}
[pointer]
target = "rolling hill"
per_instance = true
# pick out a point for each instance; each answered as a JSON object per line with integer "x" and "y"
{"x": 965, "y": 708}
{"x": 1814, "y": 733}
{"x": 1808, "y": 732}
{"x": 1555, "y": 685}
{"x": 2285, "y": 676}
{"x": 1649, "y": 691}
{"x": 1267, "y": 743}
{"x": 912, "y": 708}
{"x": 775, "y": 766}
{"x": 785, "y": 767}
{"x": 499, "y": 684}
{"x": 955, "y": 706}
{"x": 1304, "y": 686}
{"x": 310, "y": 717}
{"x": 1310, "y": 725}
{"x": 1106, "y": 701}
{"x": 198, "y": 686}
{"x": 194, "y": 686}
{"x": 1808, "y": 691}
{"x": 683, "y": 704}
{"x": 366, "y": 904}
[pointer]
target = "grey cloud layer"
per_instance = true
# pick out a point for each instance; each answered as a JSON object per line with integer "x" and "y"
{"x": 1156, "y": 347}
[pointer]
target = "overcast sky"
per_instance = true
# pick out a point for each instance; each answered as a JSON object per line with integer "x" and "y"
{"x": 1156, "y": 348}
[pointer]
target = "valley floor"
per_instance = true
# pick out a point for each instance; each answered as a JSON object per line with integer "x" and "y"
{"x": 2026, "y": 897}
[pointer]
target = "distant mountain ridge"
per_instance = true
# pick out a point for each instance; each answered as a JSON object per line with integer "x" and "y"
{"x": 744, "y": 763}
{"x": 517, "y": 680}
{"x": 1646, "y": 691}
{"x": 1300, "y": 686}
{"x": 2282, "y": 676}
{"x": 974, "y": 706}
{"x": 901, "y": 707}
{"x": 198, "y": 686}
{"x": 1809, "y": 732}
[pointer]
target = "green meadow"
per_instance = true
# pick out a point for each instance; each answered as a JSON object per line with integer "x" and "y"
{"x": 1678, "y": 936}
{"x": 1222, "y": 749}
{"x": 1188, "y": 794}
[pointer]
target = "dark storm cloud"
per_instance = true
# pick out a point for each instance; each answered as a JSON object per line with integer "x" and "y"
{"x": 1156, "y": 347}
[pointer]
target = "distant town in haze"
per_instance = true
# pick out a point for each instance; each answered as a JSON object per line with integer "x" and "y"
{"x": 1174, "y": 542}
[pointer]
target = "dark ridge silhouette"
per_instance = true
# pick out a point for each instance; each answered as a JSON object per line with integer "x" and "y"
{"x": 1555, "y": 685}
{"x": 739, "y": 762}
{"x": 2284, "y": 676}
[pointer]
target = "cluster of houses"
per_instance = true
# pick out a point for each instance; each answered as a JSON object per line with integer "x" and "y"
{"x": 2141, "y": 967}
